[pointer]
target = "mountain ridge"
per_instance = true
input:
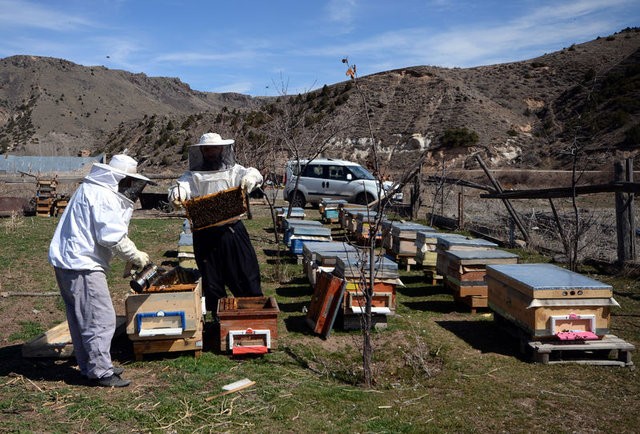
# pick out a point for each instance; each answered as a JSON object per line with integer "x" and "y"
{"x": 517, "y": 114}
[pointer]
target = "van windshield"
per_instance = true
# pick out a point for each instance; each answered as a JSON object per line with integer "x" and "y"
{"x": 360, "y": 172}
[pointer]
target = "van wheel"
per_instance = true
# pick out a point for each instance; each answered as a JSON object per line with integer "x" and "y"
{"x": 297, "y": 200}
{"x": 364, "y": 199}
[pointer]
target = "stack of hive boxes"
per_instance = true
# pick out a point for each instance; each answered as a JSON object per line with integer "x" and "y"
{"x": 462, "y": 263}
{"x": 281, "y": 214}
{"x": 329, "y": 209}
{"x": 466, "y": 273}
{"x": 426, "y": 243}
{"x": 321, "y": 256}
{"x": 353, "y": 271}
{"x": 289, "y": 224}
{"x": 186, "y": 257}
{"x": 347, "y": 216}
{"x": 299, "y": 234}
{"x": 403, "y": 241}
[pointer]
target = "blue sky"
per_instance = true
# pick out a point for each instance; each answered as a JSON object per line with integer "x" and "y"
{"x": 265, "y": 47}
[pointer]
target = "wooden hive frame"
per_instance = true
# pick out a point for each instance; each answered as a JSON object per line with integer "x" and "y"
{"x": 216, "y": 209}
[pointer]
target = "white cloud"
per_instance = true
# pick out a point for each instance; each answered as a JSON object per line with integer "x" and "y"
{"x": 18, "y": 14}
{"x": 191, "y": 58}
{"x": 238, "y": 87}
{"x": 341, "y": 11}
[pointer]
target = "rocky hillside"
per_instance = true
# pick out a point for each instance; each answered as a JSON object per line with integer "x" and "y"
{"x": 54, "y": 107}
{"x": 523, "y": 114}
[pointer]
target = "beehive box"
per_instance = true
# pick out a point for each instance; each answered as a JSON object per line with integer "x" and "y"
{"x": 288, "y": 226}
{"x": 385, "y": 279}
{"x": 347, "y": 216}
{"x": 403, "y": 238}
{"x": 467, "y": 270}
{"x": 216, "y": 209}
{"x": 454, "y": 243}
{"x": 322, "y": 256}
{"x": 301, "y": 234}
{"x": 297, "y": 213}
{"x": 426, "y": 242}
{"x": 545, "y": 300}
{"x": 363, "y": 222}
{"x": 248, "y": 325}
{"x": 330, "y": 209}
{"x": 170, "y": 312}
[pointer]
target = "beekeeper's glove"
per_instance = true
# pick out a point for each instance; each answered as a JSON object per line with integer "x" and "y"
{"x": 177, "y": 195}
{"x": 251, "y": 180}
{"x": 127, "y": 250}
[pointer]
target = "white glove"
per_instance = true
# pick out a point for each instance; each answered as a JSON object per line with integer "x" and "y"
{"x": 127, "y": 250}
{"x": 177, "y": 195}
{"x": 251, "y": 180}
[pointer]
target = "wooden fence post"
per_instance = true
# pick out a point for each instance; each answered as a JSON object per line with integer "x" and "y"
{"x": 625, "y": 219}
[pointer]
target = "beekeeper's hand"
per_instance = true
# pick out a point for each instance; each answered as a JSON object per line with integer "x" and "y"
{"x": 177, "y": 196}
{"x": 251, "y": 180}
{"x": 127, "y": 250}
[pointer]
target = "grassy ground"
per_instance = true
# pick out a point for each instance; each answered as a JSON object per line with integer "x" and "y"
{"x": 438, "y": 368}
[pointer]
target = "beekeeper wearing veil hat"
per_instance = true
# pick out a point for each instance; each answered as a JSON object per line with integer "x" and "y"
{"x": 224, "y": 254}
{"x": 92, "y": 230}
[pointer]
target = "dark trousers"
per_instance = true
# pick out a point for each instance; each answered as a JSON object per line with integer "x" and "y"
{"x": 225, "y": 256}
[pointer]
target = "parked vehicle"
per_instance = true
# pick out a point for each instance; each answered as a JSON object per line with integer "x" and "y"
{"x": 329, "y": 178}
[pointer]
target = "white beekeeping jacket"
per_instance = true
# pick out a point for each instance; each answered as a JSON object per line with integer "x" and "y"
{"x": 96, "y": 218}
{"x": 201, "y": 183}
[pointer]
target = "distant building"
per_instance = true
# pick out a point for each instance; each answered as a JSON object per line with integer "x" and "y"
{"x": 33, "y": 165}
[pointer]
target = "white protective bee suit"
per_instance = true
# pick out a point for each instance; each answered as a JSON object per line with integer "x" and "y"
{"x": 224, "y": 254}
{"x": 92, "y": 230}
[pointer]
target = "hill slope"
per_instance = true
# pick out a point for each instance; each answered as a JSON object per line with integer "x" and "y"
{"x": 520, "y": 114}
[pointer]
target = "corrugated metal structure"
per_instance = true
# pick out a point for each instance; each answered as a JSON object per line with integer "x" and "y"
{"x": 13, "y": 164}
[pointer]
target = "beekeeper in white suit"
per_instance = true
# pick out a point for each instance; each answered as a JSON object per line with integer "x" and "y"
{"x": 224, "y": 254}
{"x": 92, "y": 230}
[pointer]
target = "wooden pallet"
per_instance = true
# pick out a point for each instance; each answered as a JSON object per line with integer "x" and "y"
{"x": 608, "y": 351}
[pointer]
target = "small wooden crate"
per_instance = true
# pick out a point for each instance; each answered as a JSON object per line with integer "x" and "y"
{"x": 248, "y": 325}
{"x": 216, "y": 209}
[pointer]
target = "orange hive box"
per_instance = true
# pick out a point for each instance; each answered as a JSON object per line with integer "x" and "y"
{"x": 248, "y": 325}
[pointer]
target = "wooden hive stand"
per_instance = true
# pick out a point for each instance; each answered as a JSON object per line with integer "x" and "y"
{"x": 45, "y": 196}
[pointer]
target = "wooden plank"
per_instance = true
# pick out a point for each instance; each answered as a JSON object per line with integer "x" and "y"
{"x": 56, "y": 342}
{"x": 325, "y": 302}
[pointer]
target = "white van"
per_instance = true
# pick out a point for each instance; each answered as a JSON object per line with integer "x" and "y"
{"x": 326, "y": 177}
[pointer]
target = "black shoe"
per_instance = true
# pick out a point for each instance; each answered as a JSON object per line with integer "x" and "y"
{"x": 112, "y": 381}
{"x": 117, "y": 370}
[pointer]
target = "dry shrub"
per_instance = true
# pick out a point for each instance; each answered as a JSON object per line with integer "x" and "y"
{"x": 14, "y": 222}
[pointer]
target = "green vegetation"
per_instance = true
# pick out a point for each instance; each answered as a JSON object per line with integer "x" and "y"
{"x": 438, "y": 367}
{"x": 459, "y": 137}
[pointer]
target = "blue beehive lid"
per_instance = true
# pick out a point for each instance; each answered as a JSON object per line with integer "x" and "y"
{"x": 480, "y": 256}
{"x": 464, "y": 242}
{"x": 185, "y": 239}
{"x": 351, "y": 268}
{"x": 332, "y": 246}
{"x": 288, "y": 222}
{"x": 406, "y": 228}
{"x": 540, "y": 277}
{"x": 315, "y": 231}
{"x": 296, "y": 212}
